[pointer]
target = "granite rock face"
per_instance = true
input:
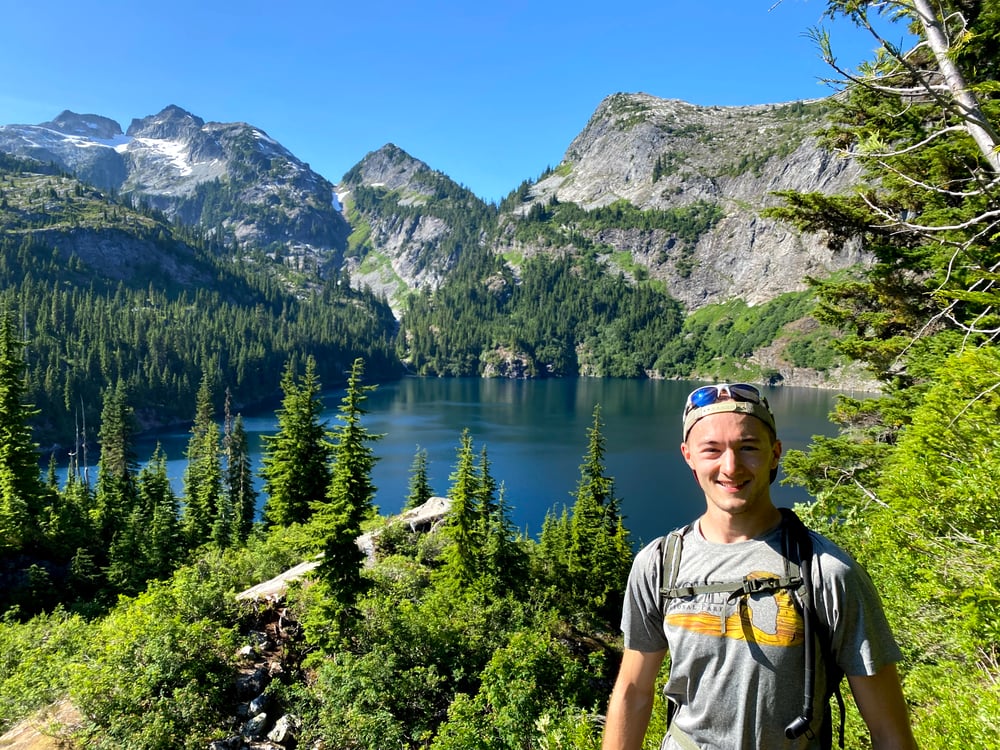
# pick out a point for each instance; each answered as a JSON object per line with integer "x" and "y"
{"x": 655, "y": 154}
{"x": 664, "y": 154}
{"x": 414, "y": 223}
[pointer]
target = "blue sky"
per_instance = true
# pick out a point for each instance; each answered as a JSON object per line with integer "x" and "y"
{"x": 488, "y": 93}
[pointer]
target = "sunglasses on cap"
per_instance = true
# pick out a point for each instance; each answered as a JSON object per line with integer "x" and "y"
{"x": 710, "y": 394}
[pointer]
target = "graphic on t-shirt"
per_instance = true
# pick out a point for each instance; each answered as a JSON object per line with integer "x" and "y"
{"x": 768, "y": 619}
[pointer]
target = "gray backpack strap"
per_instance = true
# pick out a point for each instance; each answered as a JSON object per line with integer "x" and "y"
{"x": 672, "y": 547}
{"x": 670, "y": 564}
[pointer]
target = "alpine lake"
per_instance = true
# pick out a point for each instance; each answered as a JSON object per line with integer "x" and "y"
{"x": 535, "y": 433}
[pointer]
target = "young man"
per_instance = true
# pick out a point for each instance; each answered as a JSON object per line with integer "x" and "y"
{"x": 737, "y": 674}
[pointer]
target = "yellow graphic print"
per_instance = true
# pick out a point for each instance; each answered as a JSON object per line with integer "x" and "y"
{"x": 784, "y": 628}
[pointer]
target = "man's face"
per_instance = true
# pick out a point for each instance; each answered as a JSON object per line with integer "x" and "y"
{"x": 732, "y": 456}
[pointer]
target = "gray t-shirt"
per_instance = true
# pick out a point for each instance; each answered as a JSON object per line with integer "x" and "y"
{"x": 740, "y": 684}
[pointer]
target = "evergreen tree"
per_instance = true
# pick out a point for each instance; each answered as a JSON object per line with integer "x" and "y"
{"x": 296, "y": 463}
{"x": 238, "y": 480}
{"x": 486, "y": 494}
{"x": 204, "y": 501}
{"x": 505, "y": 561}
{"x": 349, "y": 499}
{"x": 128, "y": 567}
{"x": 156, "y": 496}
{"x": 553, "y": 549}
{"x": 69, "y": 526}
{"x": 115, "y": 497}
{"x": 420, "y": 488}
{"x": 463, "y": 526}
{"x": 22, "y": 493}
{"x": 599, "y": 553}
{"x": 909, "y": 483}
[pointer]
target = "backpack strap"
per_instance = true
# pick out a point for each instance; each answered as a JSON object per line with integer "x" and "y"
{"x": 799, "y": 543}
{"x": 671, "y": 563}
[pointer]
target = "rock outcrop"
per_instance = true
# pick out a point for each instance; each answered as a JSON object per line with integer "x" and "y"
{"x": 664, "y": 154}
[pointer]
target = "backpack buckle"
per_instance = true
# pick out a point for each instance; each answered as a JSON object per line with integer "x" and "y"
{"x": 756, "y": 585}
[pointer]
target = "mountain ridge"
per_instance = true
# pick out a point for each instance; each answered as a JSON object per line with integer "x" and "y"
{"x": 657, "y": 154}
{"x": 659, "y": 195}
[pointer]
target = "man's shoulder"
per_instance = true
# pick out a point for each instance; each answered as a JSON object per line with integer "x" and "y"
{"x": 833, "y": 562}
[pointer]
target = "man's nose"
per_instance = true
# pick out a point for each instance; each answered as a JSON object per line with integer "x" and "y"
{"x": 730, "y": 460}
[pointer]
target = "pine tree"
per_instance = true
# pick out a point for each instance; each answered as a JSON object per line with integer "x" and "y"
{"x": 505, "y": 561}
{"x": 486, "y": 493}
{"x": 22, "y": 493}
{"x": 420, "y": 489}
{"x": 349, "y": 499}
{"x": 553, "y": 549}
{"x": 238, "y": 479}
{"x": 599, "y": 553}
{"x": 69, "y": 525}
{"x": 156, "y": 496}
{"x": 203, "y": 476}
{"x": 115, "y": 496}
{"x": 296, "y": 463}
{"x": 463, "y": 551}
{"x": 128, "y": 568}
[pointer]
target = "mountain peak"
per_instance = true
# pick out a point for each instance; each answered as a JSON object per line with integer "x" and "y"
{"x": 90, "y": 126}
{"x": 390, "y": 167}
{"x": 171, "y": 122}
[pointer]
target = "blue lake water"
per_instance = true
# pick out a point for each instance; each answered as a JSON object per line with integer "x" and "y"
{"x": 535, "y": 434}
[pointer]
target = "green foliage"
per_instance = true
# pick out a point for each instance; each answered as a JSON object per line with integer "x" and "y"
{"x": 203, "y": 473}
{"x": 154, "y": 678}
{"x": 33, "y": 670}
{"x": 568, "y": 223}
{"x": 296, "y": 462}
{"x": 816, "y": 351}
{"x": 238, "y": 479}
{"x": 462, "y": 555}
{"x": 718, "y": 339}
{"x": 599, "y": 552}
{"x": 526, "y": 681}
{"x": 942, "y": 511}
{"x": 348, "y": 501}
{"x": 420, "y": 488}
{"x": 910, "y": 485}
{"x": 21, "y": 492}
{"x": 90, "y": 328}
{"x": 563, "y": 307}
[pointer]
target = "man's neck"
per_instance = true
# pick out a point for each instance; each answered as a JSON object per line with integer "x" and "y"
{"x": 725, "y": 528}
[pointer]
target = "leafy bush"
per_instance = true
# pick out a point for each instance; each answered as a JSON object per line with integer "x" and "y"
{"x": 34, "y": 661}
{"x": 153, "y": 677}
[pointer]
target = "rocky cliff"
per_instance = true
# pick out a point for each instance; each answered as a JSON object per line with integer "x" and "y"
{"x": 655, "y": 154}
{"x": 410, "y": 224}
{"x": 664, "y": 154}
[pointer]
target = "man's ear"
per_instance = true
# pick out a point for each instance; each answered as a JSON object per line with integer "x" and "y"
{"x": 776, "y": 454}
{"x": 686, "y": 453}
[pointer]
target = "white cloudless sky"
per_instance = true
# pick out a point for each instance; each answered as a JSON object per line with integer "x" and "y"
{"x": 489, "y": 93}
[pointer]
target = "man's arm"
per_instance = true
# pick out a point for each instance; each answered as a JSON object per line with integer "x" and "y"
{"x": 883, "y": 707}
{"x": 632, "y": 700}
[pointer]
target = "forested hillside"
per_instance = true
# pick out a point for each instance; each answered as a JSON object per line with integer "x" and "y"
{"x": 111, "y": 295}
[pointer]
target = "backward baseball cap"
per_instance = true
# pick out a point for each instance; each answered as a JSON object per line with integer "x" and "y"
{"x": 759, "y": 410}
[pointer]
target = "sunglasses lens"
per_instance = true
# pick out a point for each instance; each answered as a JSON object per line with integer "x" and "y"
{"x": 703, "y": 396}
{"x": 745, "y": 392}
